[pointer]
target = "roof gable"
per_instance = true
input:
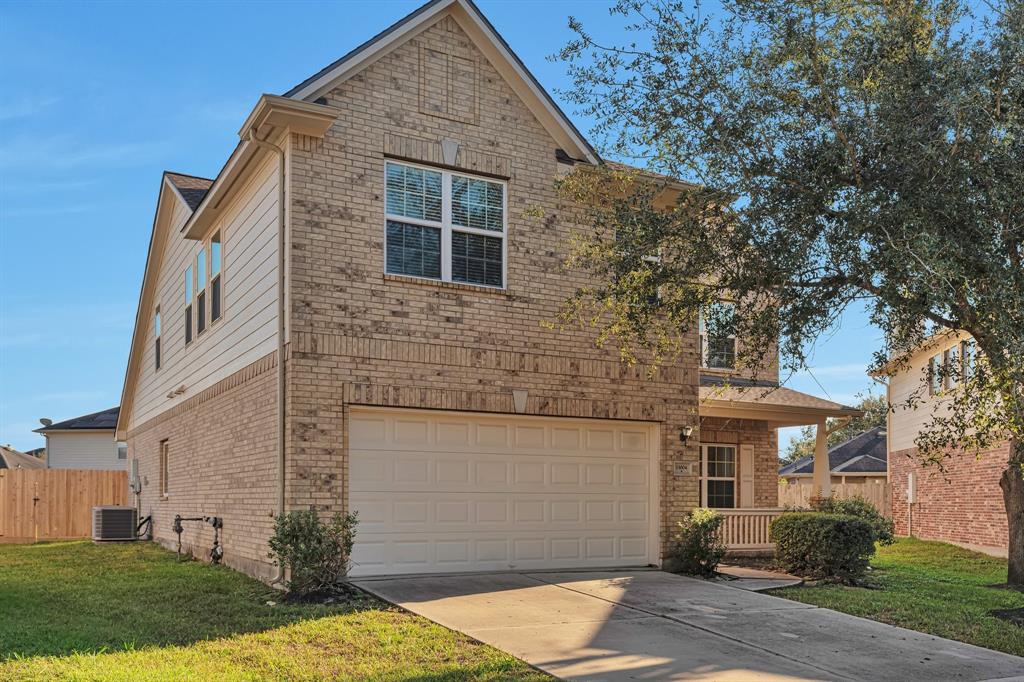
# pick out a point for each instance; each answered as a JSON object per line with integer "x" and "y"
{"x": 486, "y": 39}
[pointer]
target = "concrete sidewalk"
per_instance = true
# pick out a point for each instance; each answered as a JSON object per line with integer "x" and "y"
{"x": 649, "y": 625}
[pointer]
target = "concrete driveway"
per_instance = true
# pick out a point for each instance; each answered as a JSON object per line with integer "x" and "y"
{"x": 649, "y": 625}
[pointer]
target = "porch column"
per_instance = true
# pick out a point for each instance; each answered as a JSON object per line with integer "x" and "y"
{"x": 822, "y": 474}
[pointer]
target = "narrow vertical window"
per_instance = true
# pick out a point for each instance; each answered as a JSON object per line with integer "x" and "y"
{"x": 951, "y": 361}
{"x": 717, "y": 342}
{"x": 188, "y": 304}
{"x": 164, "y": 467}
{"x": 156, "y": 338}
{"x": 215, "y": 277}
{"x": 935, "y": 375}
{"x": 968, "y": 356}
{"x": 201, "y": 291}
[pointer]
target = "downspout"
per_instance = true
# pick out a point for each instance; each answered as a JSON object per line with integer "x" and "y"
{"x": 280, "y": 326}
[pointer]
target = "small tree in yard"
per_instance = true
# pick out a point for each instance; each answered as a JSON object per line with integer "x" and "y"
{"x": 844, "y": 152}
{"x": 697, "y": 548}
{"x": 316, "y": 553}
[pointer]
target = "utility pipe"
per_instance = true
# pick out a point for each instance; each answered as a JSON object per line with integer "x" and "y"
{"x": 280, "y": 325}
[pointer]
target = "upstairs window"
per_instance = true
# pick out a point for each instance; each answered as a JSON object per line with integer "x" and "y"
{"x": 215, "y": 278}
{"x": 717, "y": 342}
{"x": 201, "y": 290}
{"x": 156, "y": 338}
{"x": 951, "y": 361}
{"x": 935, "y": 374}
{"x": 445, "y": 226}
{"x": 188, "y": 304}
{"x": 968, "y": 357}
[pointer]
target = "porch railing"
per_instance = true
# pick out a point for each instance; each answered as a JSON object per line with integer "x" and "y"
{"x": 747, "y": 529}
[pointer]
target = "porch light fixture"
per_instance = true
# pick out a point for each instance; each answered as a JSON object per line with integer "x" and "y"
{"x": 685, "y": 433}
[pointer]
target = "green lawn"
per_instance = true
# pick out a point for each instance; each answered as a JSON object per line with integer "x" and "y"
{"x": 75, "y": 610}
{"x": 932, "y": 587}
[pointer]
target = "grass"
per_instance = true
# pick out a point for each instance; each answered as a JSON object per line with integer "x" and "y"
{"x": 931, "y": 587}
{"x": 79, "y": 611}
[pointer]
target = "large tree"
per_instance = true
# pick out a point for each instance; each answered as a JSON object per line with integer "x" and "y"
{"x": 843, "y": 153}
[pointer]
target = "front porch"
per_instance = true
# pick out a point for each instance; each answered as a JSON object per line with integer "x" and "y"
{"x": 739, "y": 452}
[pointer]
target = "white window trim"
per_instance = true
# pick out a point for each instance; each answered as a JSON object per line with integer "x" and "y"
{"x": 446, "y": 226}
{"x": 704, "y": 478}
{"x": 702, "y": 339}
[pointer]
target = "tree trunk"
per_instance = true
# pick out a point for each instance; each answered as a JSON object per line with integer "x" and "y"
{"x": 1012, "y": 483}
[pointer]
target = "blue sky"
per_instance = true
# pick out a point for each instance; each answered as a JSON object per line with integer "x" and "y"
{"x": 99, "y": 98}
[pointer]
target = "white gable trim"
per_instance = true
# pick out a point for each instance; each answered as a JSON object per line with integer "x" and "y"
{"x": 487, "y": 40}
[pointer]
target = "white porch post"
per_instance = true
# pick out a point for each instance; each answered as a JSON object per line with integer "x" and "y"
{"x": 822, "y": 475}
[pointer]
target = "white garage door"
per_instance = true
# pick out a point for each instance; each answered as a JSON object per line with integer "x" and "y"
{"x": 442, "y": 492}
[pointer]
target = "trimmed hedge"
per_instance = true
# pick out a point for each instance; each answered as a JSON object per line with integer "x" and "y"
{"x": 823, "y": 545}
{"x": 885, "y": 531}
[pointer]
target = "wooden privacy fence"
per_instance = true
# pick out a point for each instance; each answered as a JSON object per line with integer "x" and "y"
{"x": 55, "y": 504}
{"x": 798, "y": 495}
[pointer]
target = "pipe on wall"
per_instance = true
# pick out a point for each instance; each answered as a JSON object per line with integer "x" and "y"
{"x": 280, "y": 325}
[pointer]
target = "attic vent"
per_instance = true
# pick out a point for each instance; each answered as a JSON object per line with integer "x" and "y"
{"x": 114, "y": 523}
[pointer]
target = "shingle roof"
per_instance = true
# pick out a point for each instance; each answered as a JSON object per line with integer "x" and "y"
{"x": 107, "y": 419}
{"x": 191, "y": 187}
{"x": 12, "y": 459}
{"x": 864, "y": 453}
{"x": 763, "y": 392}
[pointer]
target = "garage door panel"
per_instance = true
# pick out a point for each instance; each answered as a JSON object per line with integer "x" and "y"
{"x": 450, "y": 492}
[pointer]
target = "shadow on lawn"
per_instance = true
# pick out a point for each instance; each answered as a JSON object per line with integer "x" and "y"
{"x": 76, "y": 597}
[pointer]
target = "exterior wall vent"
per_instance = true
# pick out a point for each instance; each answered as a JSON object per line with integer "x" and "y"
{"x": 114, "y": 523}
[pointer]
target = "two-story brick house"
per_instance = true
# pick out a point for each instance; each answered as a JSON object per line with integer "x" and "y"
{"x": 378, "y": 227}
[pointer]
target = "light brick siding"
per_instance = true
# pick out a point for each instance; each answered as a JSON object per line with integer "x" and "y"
{"x": 964, "y": 504}
{"x": 766, "y": 451}
{"x": 222, "y": 462}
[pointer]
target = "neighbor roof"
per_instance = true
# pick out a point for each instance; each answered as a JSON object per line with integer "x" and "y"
{"x": 97, "y": 421}
{"x": 191, "y": 187}
{"x": 864, "y": 453}
{"x": 12, "y": 459}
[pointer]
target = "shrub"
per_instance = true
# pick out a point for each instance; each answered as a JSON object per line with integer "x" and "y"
{"x": 823, "y": 545}
{"x": 885, "y": 531}
{"x": 697, "y": 548}
{"x": 315, "y": 553}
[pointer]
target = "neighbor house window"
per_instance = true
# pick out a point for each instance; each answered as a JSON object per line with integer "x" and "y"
{"x": 444, "y": 226}
{"x": 201, "y": 291}
{"x": 156, "y": 337}
{"x": 215, "y": 278}
{"x": 717, "y": 342}
{"x": 122, "y": 450}
{"x": 164, "y": 467}
{"x": 935, "y": 375}
{"x": 718, "y": 476}
{"x": 951, "y": 361}
{"x": 968, "y": 357}
{"x": 188, "y": 304}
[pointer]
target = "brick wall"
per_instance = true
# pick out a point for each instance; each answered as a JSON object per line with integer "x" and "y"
{"x": 964, "y": 504}
{"x": 222, "y": 462}
{"x": 766, "y": 452}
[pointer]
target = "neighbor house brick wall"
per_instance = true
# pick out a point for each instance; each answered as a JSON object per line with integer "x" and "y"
{"x": 222, "y": 462}
{"x": 765, "y": 440}
{"x": 360, "y": 337}
{"x": 963, "y": 504}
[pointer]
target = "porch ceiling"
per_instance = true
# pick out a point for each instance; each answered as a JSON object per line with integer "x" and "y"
{"x": 778, "y": 405}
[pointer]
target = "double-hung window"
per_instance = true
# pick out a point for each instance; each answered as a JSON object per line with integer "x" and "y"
{"x": 188, "y": 304}
{"x": 445, "y": 226}
{"x": 201, "y": 291}
{"x": 718, "y": 476}
{"x": 717, "y": 342}
{"x": 935, "y": 374}
{"x": 951, "y": 361}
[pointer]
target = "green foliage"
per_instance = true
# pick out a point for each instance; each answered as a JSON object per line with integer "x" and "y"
{"x": 857, "y": 506}
{"x": 823, "y": 545}
{"x": 697, "y": 548}
{"x": 876, "y": 409}
{"x": 315, "y": 553}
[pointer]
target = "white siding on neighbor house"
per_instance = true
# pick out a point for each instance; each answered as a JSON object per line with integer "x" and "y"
{"x": 83, "y": 450}
{"x": 905, "y": 424}
{"x": 248, "y": 325}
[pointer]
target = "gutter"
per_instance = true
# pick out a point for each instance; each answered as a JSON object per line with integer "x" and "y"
{"x": 280, "y": 327}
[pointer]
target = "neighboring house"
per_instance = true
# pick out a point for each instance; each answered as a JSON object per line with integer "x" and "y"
{"x": 12, "y": 459}
{"x": 962, "y": 504}
{"x": 85, "y": 442}
{"x": 38, "y": 453}
{"x": 421, "y": 253}
{"x": 862, "y": 459}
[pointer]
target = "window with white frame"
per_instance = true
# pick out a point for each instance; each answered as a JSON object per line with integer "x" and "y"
{"x": 165, "y": 456}
{"x": 215, "y": 277}
{"x": 951, "y": 361}
{"x": 156, "y": 337}
{"x": 201, "y": 291}
{"x": 443, "y": 225}
{"x": 717, "y": 342}
{"x": 968, "y": 357}
{"x": 188, "y": 304}
{"x": 935, "y": 374}
{"x": 718, "y": 476}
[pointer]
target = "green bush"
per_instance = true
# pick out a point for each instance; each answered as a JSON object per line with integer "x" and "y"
{"x": 823, "y": 545}
{"x": 697, "y": 548}
{"x": 315, "y": 553}
{"x": 885, "y": 531}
